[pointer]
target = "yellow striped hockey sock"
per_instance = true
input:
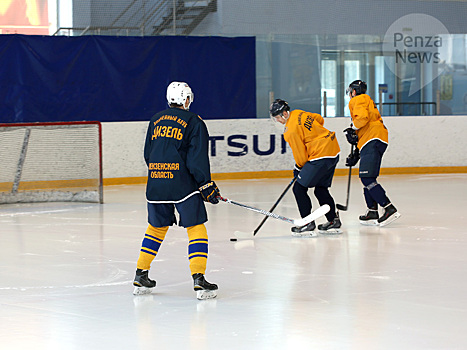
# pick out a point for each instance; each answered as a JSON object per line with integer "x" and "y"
{"x": 151, "y": 243}
{"x": 197, "y": 248}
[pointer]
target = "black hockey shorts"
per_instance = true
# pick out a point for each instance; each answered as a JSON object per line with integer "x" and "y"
{"x": 318, "y": 172}
{"x": 192, "y": 212}
{"x": 371, "y": 156}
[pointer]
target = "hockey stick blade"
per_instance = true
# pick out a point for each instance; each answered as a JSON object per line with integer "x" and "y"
{"x": 298, "y": 222}
{"x": 341, "y": 207}
{"x": 313, "y": 216}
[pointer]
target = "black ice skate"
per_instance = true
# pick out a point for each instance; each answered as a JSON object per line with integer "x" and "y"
{"x": 203, "y": 289}
{"x": 370, "y": 218}
{"x": 305, "y": 230}
{"x": 332, "y": 227}
{"x": 390, "y": 214}
{"x": 142, "y": 283}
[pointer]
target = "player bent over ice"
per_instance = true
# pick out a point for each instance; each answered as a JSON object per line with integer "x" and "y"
{"x": 370, "y": 136}
{"x": 179, "y": 177}
{"x": 316, "y": 153}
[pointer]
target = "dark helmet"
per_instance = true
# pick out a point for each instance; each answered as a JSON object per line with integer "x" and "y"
{"x": 358, "y": 85}
{"x": 277, "y": 107}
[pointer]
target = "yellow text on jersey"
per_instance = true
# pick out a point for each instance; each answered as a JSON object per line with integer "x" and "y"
{"x": 167, "y": 131}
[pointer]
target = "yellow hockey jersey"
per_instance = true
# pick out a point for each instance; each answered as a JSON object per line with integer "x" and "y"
{"x": 308, "y": 138}
{"x": 367, "y": 120}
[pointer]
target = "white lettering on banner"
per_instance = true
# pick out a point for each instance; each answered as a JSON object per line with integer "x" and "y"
{"x": 238, "y": 145}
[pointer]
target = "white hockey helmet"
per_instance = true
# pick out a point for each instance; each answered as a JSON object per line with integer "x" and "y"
{"x": 177, "y": 92}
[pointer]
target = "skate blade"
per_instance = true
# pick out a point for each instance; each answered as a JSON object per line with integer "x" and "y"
{"x": 390, "y": 219}
{"x": 369, "y": 222}
{"x": 331, "y": 232}
{"x": 206, "y": 294}
{"x": 142, "y": 290}
{"x": 305, "y": 234}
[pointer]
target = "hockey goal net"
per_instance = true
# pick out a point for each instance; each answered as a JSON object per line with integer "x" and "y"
{"x": 51, "y": 162}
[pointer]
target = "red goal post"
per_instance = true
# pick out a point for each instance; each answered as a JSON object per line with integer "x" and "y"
{"x": 44, "y": 162}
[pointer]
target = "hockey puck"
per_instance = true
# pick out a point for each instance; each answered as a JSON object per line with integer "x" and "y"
{"x": 233, "y": 240}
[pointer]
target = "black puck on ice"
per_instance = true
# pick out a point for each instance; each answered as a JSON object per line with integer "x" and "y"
{"x": 233, "y": 240}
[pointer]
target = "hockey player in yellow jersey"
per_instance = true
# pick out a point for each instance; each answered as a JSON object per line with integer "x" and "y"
{"x": 370, "y": 136}
{"x": 316, "y": 153}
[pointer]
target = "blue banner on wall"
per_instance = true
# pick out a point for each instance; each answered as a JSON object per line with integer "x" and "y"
{"x": 104, "y": 78}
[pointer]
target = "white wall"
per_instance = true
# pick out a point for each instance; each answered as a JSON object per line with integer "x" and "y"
{"x": 436, "y": 141}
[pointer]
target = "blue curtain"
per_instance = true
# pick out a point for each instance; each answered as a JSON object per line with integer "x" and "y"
{"x": 45, "y": 78}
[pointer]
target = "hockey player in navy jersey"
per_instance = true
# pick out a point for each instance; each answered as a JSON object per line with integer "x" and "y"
{"x": 179, "y": 177}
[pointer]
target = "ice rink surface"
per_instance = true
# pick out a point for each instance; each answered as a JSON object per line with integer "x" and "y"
{"x": 67, "y": 269}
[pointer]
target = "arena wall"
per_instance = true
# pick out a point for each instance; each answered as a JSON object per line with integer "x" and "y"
{"x": 253, "y": 148}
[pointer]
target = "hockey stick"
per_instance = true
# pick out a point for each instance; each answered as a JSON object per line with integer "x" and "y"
{"x": 297, "y": 222}
{"x": 346, "y": 206}
{"x": 275, "y": 204}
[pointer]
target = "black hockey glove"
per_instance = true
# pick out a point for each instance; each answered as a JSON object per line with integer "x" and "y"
{"x": 209, "y": 192}
{"x": 353, "y": 158}
{"x": 351, "y": 135}
{"x": 296, "y": 170}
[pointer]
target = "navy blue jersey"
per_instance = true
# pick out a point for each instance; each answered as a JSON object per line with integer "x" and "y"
{"x": 176, "y": 153}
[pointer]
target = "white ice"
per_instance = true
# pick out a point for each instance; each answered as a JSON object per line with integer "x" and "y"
{"x": 67, "y": 269}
